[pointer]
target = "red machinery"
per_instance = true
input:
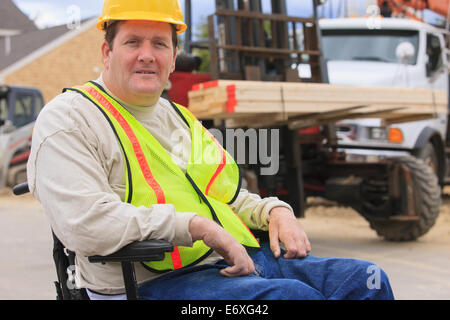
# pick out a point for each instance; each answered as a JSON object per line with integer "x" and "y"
{"x": 408, "y": 8}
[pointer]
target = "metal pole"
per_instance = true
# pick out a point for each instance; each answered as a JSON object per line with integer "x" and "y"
{"x": 323, "y": 63}
{"x": 188, "y": 21}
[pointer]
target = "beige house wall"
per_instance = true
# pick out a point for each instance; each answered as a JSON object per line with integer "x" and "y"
{"x": 72, "y": 63}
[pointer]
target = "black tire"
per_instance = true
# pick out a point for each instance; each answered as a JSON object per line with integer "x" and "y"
{"x": 429, "y": 156}
{"x": 427, "y": 201}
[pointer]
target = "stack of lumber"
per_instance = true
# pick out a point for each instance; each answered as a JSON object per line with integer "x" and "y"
{"x": 253, "y": 103}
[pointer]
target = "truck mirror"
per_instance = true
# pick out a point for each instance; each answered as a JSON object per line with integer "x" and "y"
{"x": 404, "y": 51}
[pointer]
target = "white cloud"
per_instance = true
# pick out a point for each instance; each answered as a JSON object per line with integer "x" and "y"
{"x": 48, "y": 13}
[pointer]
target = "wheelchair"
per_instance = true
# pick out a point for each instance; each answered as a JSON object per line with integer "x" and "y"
{"x": 148, "y": 250}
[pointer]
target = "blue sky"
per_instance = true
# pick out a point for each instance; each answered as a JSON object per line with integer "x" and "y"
{"x": 56, "y": 12}
{"x": 48, "y": 13}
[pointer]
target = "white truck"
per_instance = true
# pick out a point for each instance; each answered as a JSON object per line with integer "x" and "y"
{"x": 19, "y": 107}
{"x": 392, "y": 52}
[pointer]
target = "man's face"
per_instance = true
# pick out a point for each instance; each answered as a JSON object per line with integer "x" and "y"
{"x": 138, "y": 66}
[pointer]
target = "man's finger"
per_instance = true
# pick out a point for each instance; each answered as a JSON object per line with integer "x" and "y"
{"x": 274, "y": 242}
{"x": 308, "y": 245}
{"x": 292, "y": 248}
{"x": 295, "y": 247}
{"x": 238, "y": 270}
{"x": 232, "y": 271}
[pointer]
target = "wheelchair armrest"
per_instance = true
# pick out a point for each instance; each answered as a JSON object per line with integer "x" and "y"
{"x": 21, "y": 188}
{"x": 148, "y": 250}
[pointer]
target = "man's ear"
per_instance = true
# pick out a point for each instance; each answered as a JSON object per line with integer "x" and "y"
{"x": 172, "y": 69}
{"x": 106, "y": 51}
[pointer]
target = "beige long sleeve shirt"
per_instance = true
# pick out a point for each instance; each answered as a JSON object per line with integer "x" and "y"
{"x": 76, "y": 171}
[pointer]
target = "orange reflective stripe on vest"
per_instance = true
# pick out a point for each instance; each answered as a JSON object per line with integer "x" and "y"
{"x": 176, "y": 260}
{"x": 219, "y": 168}
{"x": 155, "y": 179}
{"x": 136, "y": 146}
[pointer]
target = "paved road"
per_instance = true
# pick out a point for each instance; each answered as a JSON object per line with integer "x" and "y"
{"x": 27, "y": 270}
{"x": 417, "y": 270}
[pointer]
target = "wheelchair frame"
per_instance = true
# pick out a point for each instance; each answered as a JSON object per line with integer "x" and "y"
{"x": 148, "y": 250}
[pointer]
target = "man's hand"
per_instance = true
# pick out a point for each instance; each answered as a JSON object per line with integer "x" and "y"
{"x": 284, "y": 227}
{"x": 218, "y": 239}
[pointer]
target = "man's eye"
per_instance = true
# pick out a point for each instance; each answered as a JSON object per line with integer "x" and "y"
{"x": 161, "y": 44}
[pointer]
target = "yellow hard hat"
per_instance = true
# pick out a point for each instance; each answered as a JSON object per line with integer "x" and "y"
{"x": 152, "y": 10}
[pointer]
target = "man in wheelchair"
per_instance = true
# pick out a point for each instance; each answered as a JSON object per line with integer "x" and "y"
{"x": 110, "y": 169}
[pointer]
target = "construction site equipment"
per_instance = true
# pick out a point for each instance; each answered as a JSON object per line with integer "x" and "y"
{"x": 424, "y": 66}
{"x": 411, "y": 8}
{"x": 257, "y": 58}
{"x": 19, "y": 107}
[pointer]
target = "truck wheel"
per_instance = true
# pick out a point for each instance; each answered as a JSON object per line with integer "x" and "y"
{"x": 429, "y": 156}
{"x": 426, "y": 195}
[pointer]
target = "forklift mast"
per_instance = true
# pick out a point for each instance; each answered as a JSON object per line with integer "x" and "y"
{"x": 247, "y": 44}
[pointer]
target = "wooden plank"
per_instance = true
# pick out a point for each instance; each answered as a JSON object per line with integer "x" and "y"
{"x": 230, "y": 99}
{"x": 305, "y": 93}
{"x": 259, "y": 121}
{"x": 392, "y": 119}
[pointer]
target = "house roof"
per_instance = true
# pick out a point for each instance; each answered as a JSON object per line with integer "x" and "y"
{"x": 12, "y": 18}
{"x": 29, "y": 46}
{"x": 19, "y": 36}
{"x": 23, "y": 44}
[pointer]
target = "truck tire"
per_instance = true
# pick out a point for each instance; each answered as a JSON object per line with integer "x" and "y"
{"x": 427, "y": 201}
{"x": 430, "y": 156}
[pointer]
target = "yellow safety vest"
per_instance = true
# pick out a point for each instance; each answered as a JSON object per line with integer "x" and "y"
{"x": 212, "y": 179}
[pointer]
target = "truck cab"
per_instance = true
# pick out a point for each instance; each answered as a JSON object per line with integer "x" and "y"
{"x": 19, "y": 107}
{"x": 389, "y": 52}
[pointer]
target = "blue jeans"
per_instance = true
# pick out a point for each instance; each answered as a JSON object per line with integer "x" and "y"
{"x": 310, "y": 278}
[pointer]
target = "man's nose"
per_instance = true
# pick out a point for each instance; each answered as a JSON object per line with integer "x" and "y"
{"x": 146, "y": 53}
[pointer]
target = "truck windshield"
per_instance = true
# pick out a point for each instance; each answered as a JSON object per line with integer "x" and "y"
{"x": 367, "y": 45}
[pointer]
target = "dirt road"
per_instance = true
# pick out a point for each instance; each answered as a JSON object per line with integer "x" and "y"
{"x": 417, "y": 270}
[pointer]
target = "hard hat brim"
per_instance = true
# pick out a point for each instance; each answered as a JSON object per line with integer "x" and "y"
{"x": 180, "y": 25}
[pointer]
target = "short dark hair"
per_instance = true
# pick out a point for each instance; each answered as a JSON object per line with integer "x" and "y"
{"x": 111, "y": 31}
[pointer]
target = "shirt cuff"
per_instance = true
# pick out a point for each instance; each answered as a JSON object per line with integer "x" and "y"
{"x": 265, "y": 214}
{"x": 182, "y": 235}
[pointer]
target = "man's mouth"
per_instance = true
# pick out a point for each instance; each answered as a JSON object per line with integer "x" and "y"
{"x": 146, "y": 72}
